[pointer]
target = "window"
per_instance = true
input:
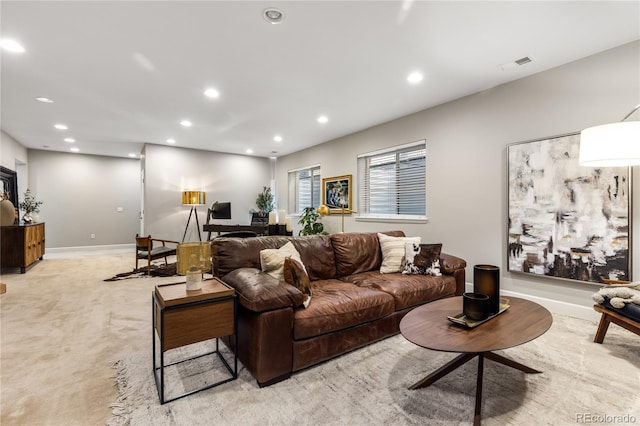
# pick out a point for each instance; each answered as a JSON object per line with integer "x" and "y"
{"x": 304, "y": 189}
{"x": 392, "y": 183}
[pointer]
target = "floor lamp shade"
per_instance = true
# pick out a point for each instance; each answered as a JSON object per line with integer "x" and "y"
{"x": 192, "y": 198}
{"x": 610, "y": 145}
{"x": 486, "y": 280}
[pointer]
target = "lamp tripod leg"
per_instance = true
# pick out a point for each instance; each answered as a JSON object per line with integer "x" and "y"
{"x": 187, "y": 227}
{"x": 197, "y": 223}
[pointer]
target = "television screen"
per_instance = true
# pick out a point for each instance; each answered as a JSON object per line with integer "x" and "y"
{"x": 221, "y": 210}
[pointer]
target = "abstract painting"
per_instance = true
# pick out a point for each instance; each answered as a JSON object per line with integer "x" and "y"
{"x": 565, "y": 220}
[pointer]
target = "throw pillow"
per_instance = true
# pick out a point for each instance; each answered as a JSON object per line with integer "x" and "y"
{"x": 393, "y": 252}
{"x": 423, "y": 259}
{"x": 296, "y": 275}
{"x": 272, "y": 260}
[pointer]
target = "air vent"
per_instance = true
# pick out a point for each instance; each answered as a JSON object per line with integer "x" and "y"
{"x": 517, "y": 63}
{"x": 523, "y": 61}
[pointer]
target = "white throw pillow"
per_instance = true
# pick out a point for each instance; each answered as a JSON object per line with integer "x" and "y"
{"x": 272, "y": 260}
{"x": 393, "y": 252}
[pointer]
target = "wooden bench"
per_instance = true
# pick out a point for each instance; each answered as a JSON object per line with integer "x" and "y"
{"x": 609, "y": 316}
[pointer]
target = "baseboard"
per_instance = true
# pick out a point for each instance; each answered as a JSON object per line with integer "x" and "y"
{"x": 111, "y": 247}
{"x": 554, "y": 306}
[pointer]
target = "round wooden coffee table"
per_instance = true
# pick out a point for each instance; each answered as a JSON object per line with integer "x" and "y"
{"x": 428, "y": 326}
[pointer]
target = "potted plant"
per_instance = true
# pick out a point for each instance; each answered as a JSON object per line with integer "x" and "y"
{"x": 309, "y": 222}
{"x": 265, "y": 203}
{"x": 30, "y": 206}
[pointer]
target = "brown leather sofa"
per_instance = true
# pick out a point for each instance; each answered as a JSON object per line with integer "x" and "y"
{"x": 353, "y": 304}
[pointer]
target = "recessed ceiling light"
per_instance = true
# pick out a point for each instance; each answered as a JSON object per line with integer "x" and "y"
{"x": 60, "y": 126}
{"x": 11, "y": 45}
{"x": 70, "y": 140}
{"x": 323, "y": 119}
{"x": 273, "y": 15}
{"x": 415, "y": 77}
{"x": 212, "y": 93}
{"x": 277, "y": 138}
{"x": 186, "y": 123}
{"x": 132, "y": 155}
{"x": 249, "y": 151}
{"x": 74, "y": 149}
{"x": 171, "y": 141}
{"x": 45, "y": 100}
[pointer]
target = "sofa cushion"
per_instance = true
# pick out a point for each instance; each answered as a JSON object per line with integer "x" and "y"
{"x": 272, "y": 260}
{"x": 317, "y": 256}
{"x": 407, "y": 290}
{"x": 316, "y": 252}
{"x": 357, "y": 252}
{"x": 295, "y": 274}
{"x": 339, "y": 305}
{"x": 392, "y": 249}
{"x": 422, "y": 259}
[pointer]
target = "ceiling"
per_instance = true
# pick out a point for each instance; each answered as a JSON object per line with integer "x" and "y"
{"x": 122, "y": 74}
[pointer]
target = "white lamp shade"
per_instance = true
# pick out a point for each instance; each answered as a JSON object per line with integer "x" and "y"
{"x": 611, "y": 145}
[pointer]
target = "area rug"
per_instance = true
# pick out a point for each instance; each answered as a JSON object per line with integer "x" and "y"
{"x": 581, "y": 380}
{"x": 161, "y": 270}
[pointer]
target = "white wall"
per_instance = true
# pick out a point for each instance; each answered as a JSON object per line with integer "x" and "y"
{"x": 81, "y": 195}
{"x": 224, "y": 177}
{"x": 11, "y": 151}
{"x": 467, "y": 166}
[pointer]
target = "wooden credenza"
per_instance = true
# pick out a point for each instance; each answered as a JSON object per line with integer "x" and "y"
{"x": 21, "y": 245}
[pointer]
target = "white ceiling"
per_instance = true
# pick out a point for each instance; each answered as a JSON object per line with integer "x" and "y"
{"x": 123, "y": 74}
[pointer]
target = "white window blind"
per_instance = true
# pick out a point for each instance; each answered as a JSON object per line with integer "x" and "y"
{"x": 392, "y": 183}
{"x": 304, "y": 189}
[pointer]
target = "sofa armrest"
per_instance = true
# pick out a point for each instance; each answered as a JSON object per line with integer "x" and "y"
{"x": 260, "y": 292}
{"x": 453, "y": 265}
{"x": 449, "y": 263}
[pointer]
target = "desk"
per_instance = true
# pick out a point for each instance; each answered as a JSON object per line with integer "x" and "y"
{"x": 232, "y": 228}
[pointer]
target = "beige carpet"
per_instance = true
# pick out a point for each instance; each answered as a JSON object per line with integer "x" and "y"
{"x": 63, "y": 328}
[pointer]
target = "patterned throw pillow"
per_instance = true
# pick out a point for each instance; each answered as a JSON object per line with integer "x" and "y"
{"x": 272, "y": 260}
{"x": 393, "y": 252}
{"x": 422, "y": 259}
{"x": 296, "y": 275}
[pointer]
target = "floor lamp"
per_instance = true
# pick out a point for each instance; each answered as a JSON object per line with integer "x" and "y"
{"x": 193, "y": 198}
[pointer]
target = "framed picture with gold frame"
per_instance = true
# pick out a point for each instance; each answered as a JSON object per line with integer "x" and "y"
{"x": 336, "y": 194}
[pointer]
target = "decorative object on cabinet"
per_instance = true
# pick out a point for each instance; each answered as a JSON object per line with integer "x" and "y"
{"x": 21, "y": 246}
{"x": 567, "y": 221}
{"x": 7, "y": 211}
{"x": 30, "y": 206}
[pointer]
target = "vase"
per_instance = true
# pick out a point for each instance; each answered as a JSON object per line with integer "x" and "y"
{"x": 26, "y": 218}
{"x": 7, "y": 213}
{"x": 486, "y": 280}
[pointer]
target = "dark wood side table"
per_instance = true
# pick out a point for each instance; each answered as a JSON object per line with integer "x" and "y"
{"x": 182, "y": 317}
{"x": 428, "y": 326}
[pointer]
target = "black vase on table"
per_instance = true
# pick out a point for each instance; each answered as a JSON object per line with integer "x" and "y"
{"x": 486, "y": 280}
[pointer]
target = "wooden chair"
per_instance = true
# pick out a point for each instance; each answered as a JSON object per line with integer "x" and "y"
{"x": 611, "y": 316}
{"x": 146, "y": 251}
